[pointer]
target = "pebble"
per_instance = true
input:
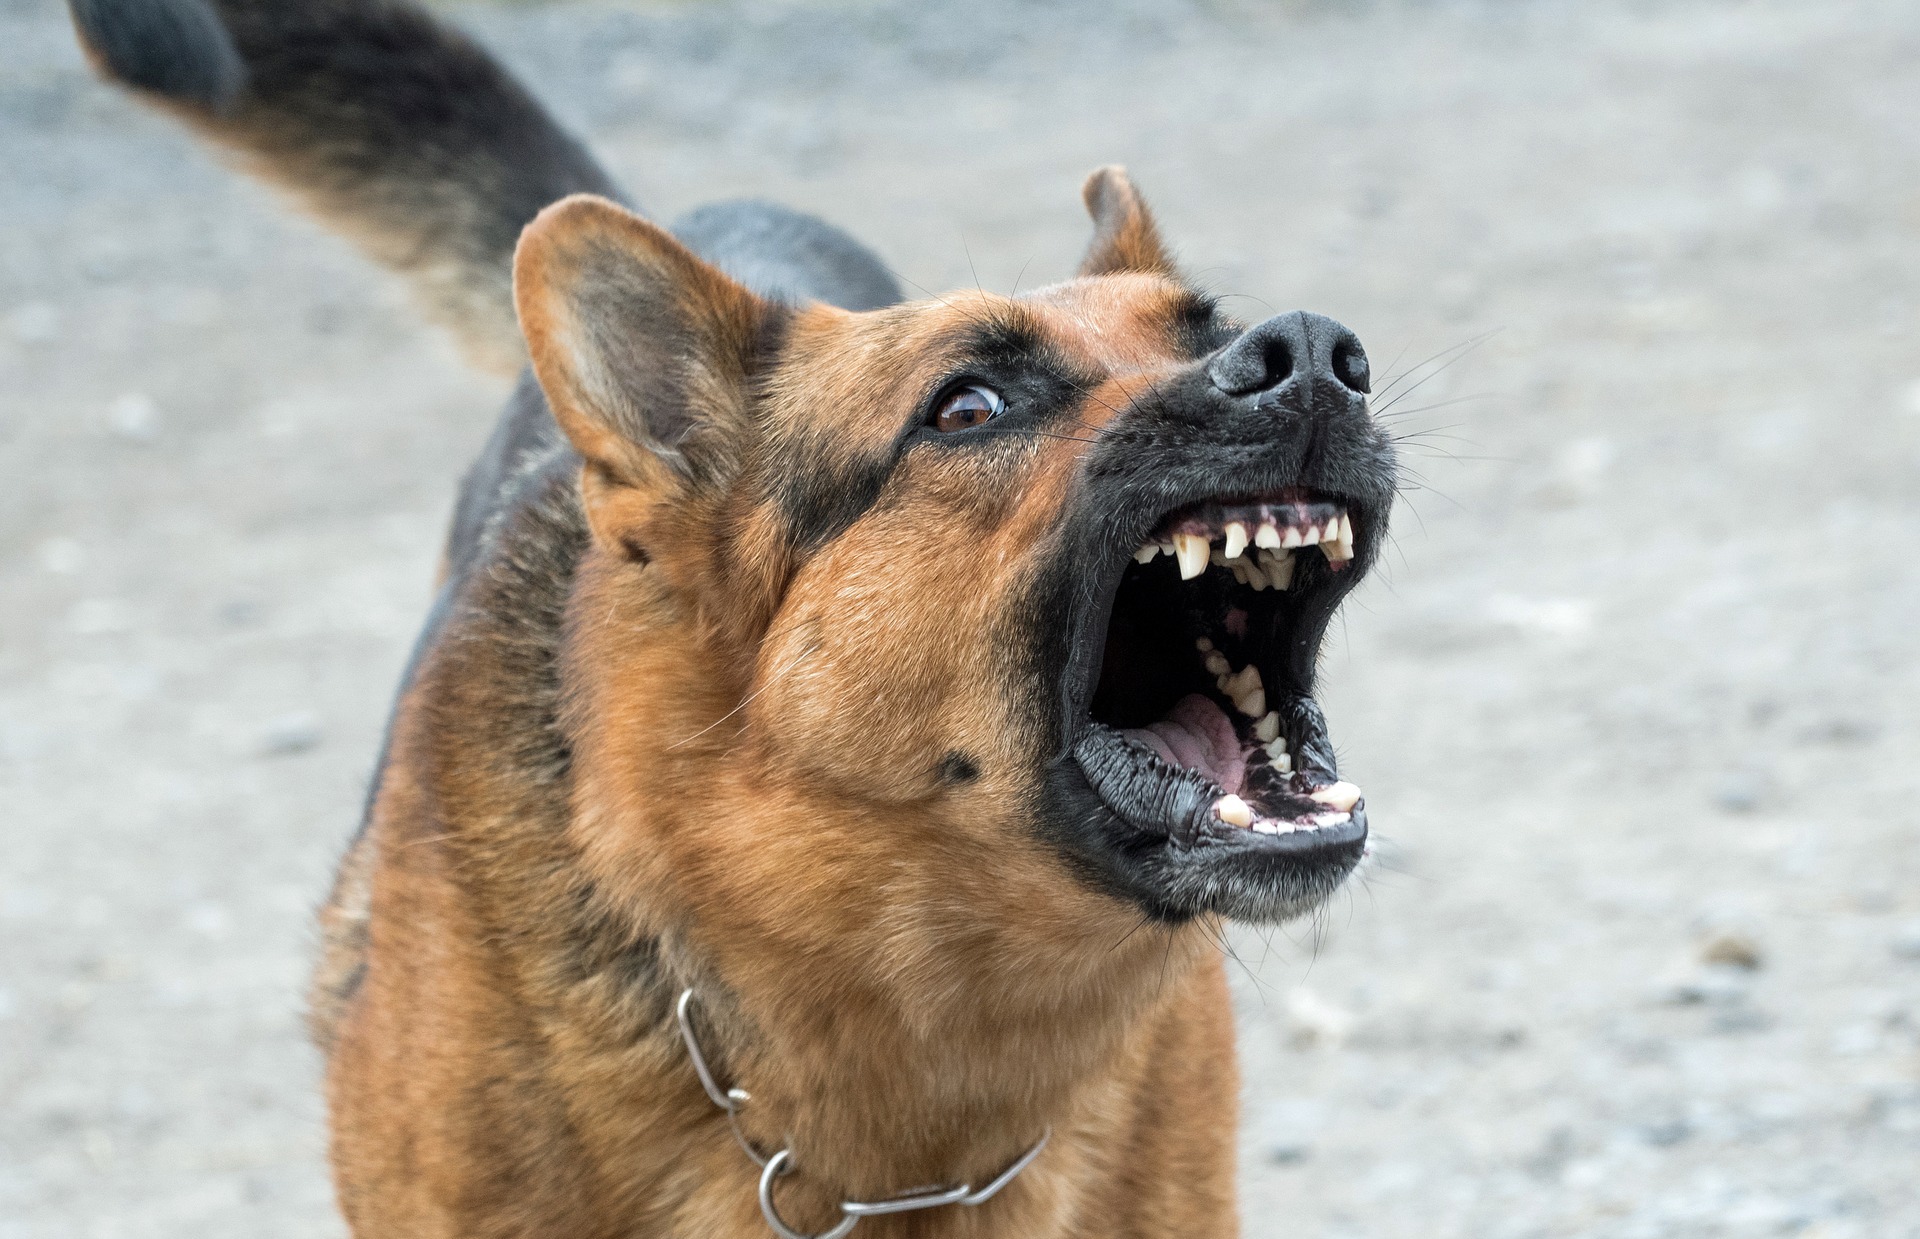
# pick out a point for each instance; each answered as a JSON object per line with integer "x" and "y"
{"x": 1740, "y": 792}
{"x": 1718, "y": 985}
{"x": 291, "y": 734}
{"x": 1314, "y": 1020}
{"x": 136, "y": 417}
{"x": 1732, "y": 950}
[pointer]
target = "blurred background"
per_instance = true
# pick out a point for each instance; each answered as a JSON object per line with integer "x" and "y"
{"x": 1635, "y": 701}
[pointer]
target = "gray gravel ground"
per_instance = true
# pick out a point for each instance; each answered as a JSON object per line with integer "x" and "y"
{"x": 1638, "y": 693}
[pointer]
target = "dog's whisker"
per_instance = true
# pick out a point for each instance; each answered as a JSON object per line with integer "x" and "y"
{"x": 749, "y": 698}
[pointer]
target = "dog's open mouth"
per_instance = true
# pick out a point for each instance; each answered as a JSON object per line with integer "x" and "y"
{"x": 1201, "y": 728}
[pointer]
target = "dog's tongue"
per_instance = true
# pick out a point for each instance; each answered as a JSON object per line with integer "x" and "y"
{"x": 1198, "y": 735}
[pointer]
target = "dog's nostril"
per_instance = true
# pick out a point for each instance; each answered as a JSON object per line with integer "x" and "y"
{"x": 1350, "y": 365}
{"x": 1276, "y": 362}
{"x": 1260, "y": 360}
{"x": 1300, "y": 352}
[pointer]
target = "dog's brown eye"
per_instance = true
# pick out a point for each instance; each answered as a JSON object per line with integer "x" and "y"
{"x": 967, "y": 408}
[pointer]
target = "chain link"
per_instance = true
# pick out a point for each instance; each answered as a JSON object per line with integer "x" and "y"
{"x": 780, "y": 1164}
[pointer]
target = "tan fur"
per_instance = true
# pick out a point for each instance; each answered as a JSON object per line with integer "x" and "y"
{"x": 732, "y": 780}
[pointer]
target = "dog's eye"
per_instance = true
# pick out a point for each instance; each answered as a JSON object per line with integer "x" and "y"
{"x": 969, "y": 407}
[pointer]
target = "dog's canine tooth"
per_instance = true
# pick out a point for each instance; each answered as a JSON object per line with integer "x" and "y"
{"x": 1236, "y": 539}
{"x": 1293, "y": 538}
{"x": 1192, "y": 551}
{"x": 1233, "y": 811}
{"x": 1343, "y": 542}
{"x": 1146, "y": 553}
{"x": 1268, "y": 535}
{"x": 1267, "y": 730}
{"x": 1342, "y": 796}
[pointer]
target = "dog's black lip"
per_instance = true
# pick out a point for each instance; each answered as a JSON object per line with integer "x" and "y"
{"x": 1192, "y": 823}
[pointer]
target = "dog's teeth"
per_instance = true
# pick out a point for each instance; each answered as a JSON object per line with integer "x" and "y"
{"x": 1248, "y": 695}
{"x": 1282, "y": 760}
{"x": 1293, "y": 538}
{"x": 1146, "y": 553}
{"x": 1233, "y": 811}
{"x": 1342, "y": 796}
{"x": 1203, "y": 645}
{"x": 1248, "y": 677}
{"x": 1341, "y": 548}
{"x": 1217, "y": 663}
{"x": 1242, "y": 571}
{"x": 1268, "y": 728}
{"x": 1267, "y": 535}
{"x": 1191, "y": 550}
{"x": 1279, "y": 568}
{"x": 1236, "y": 539}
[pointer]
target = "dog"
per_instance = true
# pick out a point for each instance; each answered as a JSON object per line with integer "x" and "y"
{"x": 844, "y": 724}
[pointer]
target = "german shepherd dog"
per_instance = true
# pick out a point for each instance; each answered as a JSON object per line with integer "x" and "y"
{"x": 846, "y": 722}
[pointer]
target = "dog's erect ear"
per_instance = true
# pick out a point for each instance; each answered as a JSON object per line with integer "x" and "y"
{"x": 646, "y": 354}
{"x": 1124, "y": 235}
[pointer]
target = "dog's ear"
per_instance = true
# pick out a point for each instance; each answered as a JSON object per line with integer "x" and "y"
{"x": 1124, "y": 235}
{"x": 646, "y": 355}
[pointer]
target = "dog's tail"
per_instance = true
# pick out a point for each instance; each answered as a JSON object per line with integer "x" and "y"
{"x": 398, "y": 130}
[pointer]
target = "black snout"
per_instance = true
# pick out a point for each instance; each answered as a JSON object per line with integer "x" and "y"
{"x": 1292, "y": 354}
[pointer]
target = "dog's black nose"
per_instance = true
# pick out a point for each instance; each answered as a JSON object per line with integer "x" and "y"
{"x": 1298, "y": 350}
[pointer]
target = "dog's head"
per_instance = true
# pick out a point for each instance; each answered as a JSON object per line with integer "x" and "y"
{"x": 1024, "y": 586}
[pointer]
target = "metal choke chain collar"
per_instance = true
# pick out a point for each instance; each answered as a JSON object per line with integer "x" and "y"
{"x": 781, "y": 1163}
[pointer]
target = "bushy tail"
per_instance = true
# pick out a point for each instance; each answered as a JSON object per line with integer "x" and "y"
{"x": 392, "y": 126}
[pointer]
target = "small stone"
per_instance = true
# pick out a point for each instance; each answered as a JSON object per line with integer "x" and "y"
{"x": 62, "y": 556}
{"x": 1283, "y": 1130}
{"x": 35, "y": 323}
{"x": 291, "y": 734}
{"x": 1665, "y": 1133}
{"x": 1314, "y": 1020}
{"x": 1716, "y": 985}
{"x": 1732, "y": 949}
{"x": 1740, "y": 792}
{"x": 92, "y": 617}
{"x": 135, "y": 416}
